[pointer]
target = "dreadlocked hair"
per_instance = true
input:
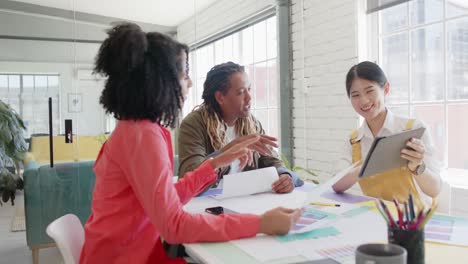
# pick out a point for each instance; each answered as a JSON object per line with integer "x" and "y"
{"x": 219, "y": 79}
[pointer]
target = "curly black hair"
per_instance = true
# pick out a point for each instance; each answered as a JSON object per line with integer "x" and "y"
{"x": 143, "y": 71}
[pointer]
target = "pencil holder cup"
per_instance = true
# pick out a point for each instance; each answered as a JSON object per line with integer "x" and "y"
{"x": 411, "y": 240}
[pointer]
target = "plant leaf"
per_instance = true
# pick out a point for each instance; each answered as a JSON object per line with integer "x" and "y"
{"x": 287, "y": 165}
{"x": 12, "y": 142}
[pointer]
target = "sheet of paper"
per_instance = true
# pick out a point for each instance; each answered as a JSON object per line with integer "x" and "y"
{"x": 248, "y": 182}
{"x": 262, "y": 202}
{"x": 311, "y": 220}
{"x": 447, "y": 230}
{"x": 343, "y": 208}
{"x": 314, "y": 194}
{"x": 345, "y": 197}
{"x": 321, "y": 216}
{"x": 264, "y": 248}
{"x": 351, "y": 232}
{"x": 367, "y": 227}
{"x": 311, "y": 234}
{"x": 330, "y": 247}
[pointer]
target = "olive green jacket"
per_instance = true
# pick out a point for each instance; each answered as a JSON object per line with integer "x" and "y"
{"x": 195, "y": 147}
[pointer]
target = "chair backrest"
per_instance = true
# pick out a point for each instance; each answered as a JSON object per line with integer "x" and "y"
{"x": 68, "y": 234}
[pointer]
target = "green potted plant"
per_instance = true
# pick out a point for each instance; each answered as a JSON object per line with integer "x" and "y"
{"x": 12, "y": 150}
{"x": 288, "y": 166}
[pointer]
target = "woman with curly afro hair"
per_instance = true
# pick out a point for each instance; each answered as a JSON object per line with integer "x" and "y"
{"x": 134, "y": 201}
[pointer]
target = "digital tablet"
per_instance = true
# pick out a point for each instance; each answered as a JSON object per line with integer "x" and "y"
{"x": 384, "y": 153}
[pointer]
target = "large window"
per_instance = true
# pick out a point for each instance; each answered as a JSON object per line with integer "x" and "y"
{"x": 255, "y": 48}
{"x": 423, "y": 48}
{"x": 28, "y": 96}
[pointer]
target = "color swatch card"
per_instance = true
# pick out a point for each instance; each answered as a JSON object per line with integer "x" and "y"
{"x": 335, "y": 247}
{"x": 342, "y": 254}
{"x": 447, "y": 229}
{"x": 311, "y": 219}
{"x": 307, "y": 220}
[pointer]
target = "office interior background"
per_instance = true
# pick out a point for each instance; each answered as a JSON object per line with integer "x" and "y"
{"x": 296, "y": 53}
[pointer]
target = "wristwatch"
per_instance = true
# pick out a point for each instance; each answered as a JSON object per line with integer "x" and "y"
{"x": 419, "y": 169}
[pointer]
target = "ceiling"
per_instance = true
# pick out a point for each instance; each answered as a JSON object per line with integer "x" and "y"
{"x": 159, "y": 12}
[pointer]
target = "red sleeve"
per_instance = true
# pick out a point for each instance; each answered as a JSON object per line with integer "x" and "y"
{"x": 148, "y": 169}
{"x": 194, "y": 182}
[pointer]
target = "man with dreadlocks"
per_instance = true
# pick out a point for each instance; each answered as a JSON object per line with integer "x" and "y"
{"x": 224, "y": 120}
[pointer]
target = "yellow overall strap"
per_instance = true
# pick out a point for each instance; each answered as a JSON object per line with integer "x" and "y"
{"x": 356, "y": 147}
{"x": 397, "y": 183}
{"x": 409, "y": 124}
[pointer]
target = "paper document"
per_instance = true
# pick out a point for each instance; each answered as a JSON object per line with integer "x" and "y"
{"x": 331, "y": 247}
{"x": 316, "y": 216}
{"x": 447, "y": 230}
{"x": 262, "y": 202}
{"x": 264, "y": 248}
{"x": 314, "y": 194}
{"x": 345, "y": 197}
{"x": 248, "y": 182}
{"x": 312, "y": 219}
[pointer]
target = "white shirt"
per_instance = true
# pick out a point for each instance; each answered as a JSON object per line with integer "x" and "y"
{"x": 393, "y": 124}
{"x": 230, "y": 136}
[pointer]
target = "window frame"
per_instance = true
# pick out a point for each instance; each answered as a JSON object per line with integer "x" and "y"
{"x": 267, "y": 61}
{"x": 21, "y": 95}
{"x": 374, "y": 50}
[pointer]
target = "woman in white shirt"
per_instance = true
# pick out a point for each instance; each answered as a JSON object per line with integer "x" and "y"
{"x": 367, "y": 87}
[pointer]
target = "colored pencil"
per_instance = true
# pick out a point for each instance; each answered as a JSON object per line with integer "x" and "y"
{"x": 407, "y": 216}
{"x": 381, "y": 212}
{"x": 429, "y": 214}
{"x": 390, "y": 218}
{"x": 400, "y": 214}
{"x": 411, "y": 207}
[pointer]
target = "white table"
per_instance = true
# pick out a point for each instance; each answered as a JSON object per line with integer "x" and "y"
{"x": 228, "y": 253}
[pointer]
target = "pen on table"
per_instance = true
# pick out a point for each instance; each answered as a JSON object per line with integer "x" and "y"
{"x": 325, "y": 204}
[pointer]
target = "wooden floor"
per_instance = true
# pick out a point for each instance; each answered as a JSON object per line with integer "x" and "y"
{"x": 13, "y": 248}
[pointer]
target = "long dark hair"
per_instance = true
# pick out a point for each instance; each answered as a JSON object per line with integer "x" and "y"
{"x": 365, "y": 70}
{"x": 143, "y": 71}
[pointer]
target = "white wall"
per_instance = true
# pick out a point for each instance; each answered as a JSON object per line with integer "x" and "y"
{"x": 47, "y": 51}
{"x": 324, "y": 45}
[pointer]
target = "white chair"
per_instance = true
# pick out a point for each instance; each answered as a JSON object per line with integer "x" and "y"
{"x": 68, "y": 234}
